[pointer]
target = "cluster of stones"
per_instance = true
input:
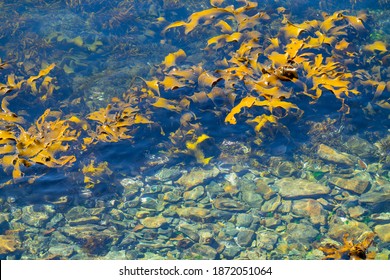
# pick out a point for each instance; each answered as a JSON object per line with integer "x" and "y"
{"x": 212, "y": 213}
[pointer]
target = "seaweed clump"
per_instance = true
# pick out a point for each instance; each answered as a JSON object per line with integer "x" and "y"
{"x": 350, "y": 250}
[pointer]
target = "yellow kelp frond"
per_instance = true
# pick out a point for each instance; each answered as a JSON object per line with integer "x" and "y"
{"x": 153, "y": 85}
{"x": 261, "y": 121}
{"x": 194, "y": 145}
{"x": 171, "y": 83}
{"x": 194, "y": 149}
{"x": 354, "y": 250}
{"x": 93, "y": 174}
{"x": 42, "y": 73}
{"x": 195, "y": 18}
{"x": 376, "y": 46}
{"x": 40, "y": 143}
{"x": 220, "y": 40}
{"x": 173, "y": 58}
{"x": 224, "y": 27}
{"x": 341, "y": 45}
{"x": 249, "y": 101}
{"x": 292, "y": 30}
{"x": 6, "y": 116}
{"x": 206, "y": 79}
{"x": 115, "y": 122}
{"x": 11, "y": 85}
{"x": 170, "y": 105}
{"x": 356, "y": 22}
{"x": 330, "y": 21}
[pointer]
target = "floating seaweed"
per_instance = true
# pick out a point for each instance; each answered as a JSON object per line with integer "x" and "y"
{"x": 251, "y": 72}
{"x": 39, "y": 144}
{"x": 350, "y": 250}
{"x": 9, "y": 243}
{"x": 114, "y": 123}
{"x": 93, "y": 174}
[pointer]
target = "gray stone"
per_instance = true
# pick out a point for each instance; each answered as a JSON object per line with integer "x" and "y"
{"x": 62, "y": 250}
{"x": 55, "y": 220}
{"x": 353, "y": 184}
{"x": 190, "y": 231}
{"x": 302, "y": 233}
{"x": 131, "y": 187}
{"x": 116, "y": 255}
{"x": 293, "y": 188}
{"x": 37, "y": 215}
{"x": 194, "y": 194}
{"x": 245, "y": 237}
{"x": 228, "y": 204}
{"x": 339, "y": 226}
{"x": 197, "y": 176}
{"x": 360, "y": 147}
{"x": 203, "y": 251}
{"x": 253, "y": 199}
{"x": 266, "y": 239}
{"x": 378, "y": 195}
{"x": 231, "y": 251}
{"x": 244, "y": 220}
{"x": 310, "y": 208}
{"x": 329, "y": 154}
{"x": 383, "y": 231}
{"x": 272, "y": 204}
{"x": 167, "y": 174}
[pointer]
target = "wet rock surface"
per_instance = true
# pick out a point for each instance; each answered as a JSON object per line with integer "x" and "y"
{"x": 310, "y": 208}
{"x": 211, "y": 214}
{"x": 329, "y": 154}
{"x": 293, "y": 188}
{"x": 354, "y": 185}
{"x": 196, "y": 177}
{"x": 383, "y": 232}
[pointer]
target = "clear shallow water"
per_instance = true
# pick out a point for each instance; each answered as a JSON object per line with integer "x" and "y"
{"x": 100, "y": 50}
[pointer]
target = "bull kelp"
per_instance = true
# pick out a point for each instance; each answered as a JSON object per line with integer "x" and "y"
{"x": 185, "y": 130}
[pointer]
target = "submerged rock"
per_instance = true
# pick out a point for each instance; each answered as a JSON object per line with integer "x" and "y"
{"x": 80, "y": 215}
{"x": 37, "y": 215}
{"x": 194, "y": 194}
{"x": 302, "y": 233}
{"x": 202, "y": 251}
{"x": 340, "y": 226}
{"x": 355, "y": 185}
{"x": 245, "y": 237}
{"x": 61, "y": 250}
{"x": 190, "y": 231}
{"x": 381, "y": 217}
{"x": 291, "y": 188}
{"x": 196, "y": 177}
{"x": 244, "y": 220}
{"x": 272, "y": 204}
{"x": 154, "y": 222}
{"x": 267, "y": 239}
{"x": 231, "y": 251}
{"x": 228, "y": 204}
{"x": 329, "y": 154}
{"x": 356, "y": 212}
{"x": 195, "y": 213}
{"x": 360, "y": 147}
{"x": 310, "y": 208}
{"x": 166, "y": 174}
{"x": 383, "y": 231}
{"x": 131, "y": 187}
{"x": 377, "y": 195}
